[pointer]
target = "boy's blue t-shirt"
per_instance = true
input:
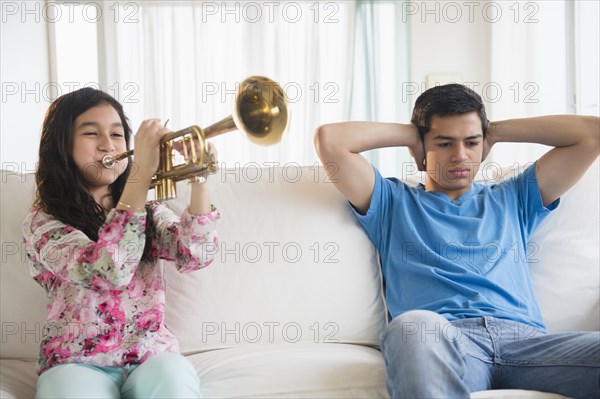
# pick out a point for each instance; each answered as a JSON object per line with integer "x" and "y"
{"x": 464, "y": 258}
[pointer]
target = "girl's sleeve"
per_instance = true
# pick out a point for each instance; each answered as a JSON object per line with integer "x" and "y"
{"x": 191, "y": 241}
{"x": 60, "y": 251}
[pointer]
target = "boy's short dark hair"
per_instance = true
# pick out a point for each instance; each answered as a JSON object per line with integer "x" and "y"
{"x": 450, "y": 99}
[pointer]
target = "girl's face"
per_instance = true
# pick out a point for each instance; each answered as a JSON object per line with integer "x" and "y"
{"x": 98, "y": 132}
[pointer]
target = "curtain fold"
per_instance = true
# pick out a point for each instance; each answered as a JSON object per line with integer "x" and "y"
{"x": 380, "y": 67}
{"x": 530, "y": 66}
{"x": 186, "y": 59}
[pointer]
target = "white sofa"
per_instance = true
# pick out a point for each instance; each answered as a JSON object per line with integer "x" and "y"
{"x": 293, "y": 305}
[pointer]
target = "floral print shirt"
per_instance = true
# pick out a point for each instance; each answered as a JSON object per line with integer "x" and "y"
{"x": 105, "y": 303}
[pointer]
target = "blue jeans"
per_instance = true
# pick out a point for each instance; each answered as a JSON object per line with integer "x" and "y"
{"x": 168, "y": 375}
{"x": 427, "y": 356}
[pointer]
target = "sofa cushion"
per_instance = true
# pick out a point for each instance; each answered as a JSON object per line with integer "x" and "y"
{"x": 302, "y": 370}
{"x": 293, "y": 266}
{"x": 17, "y": 379}
{"x": 515, "y": 394}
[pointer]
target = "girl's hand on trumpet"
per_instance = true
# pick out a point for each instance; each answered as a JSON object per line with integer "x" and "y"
{"x": 147, "y": 143}
{"x": 211, "y": 158}
{"x": 178, "y": 145}
{"x": 200, "y": 199}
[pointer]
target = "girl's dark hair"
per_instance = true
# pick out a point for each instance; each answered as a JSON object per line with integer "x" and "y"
{"x": 61, "y": 190}
{"x": 450, "y": 99}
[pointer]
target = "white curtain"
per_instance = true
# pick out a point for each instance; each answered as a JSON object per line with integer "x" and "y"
{"x": 336, "y": 61}
{"x": 183, "y": 60}
{"x": 380, "y": 67}
{"x": 587, "y": 56}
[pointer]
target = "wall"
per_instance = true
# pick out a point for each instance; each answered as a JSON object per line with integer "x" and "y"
{"x": 448, "y": 38}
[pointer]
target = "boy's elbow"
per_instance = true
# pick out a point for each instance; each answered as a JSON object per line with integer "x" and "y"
{"x": 593, "y": 136}
{"x": 324, "y": 138}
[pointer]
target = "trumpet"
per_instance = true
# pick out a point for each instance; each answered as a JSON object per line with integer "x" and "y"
{"x": 260, "y": 111}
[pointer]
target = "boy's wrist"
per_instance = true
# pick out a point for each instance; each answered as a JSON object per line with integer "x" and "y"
{"x": 493, "y": 135}
{"x": 415, "y": 137}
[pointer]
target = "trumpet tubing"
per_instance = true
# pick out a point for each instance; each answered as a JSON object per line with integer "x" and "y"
{"x": 260, "y": 111}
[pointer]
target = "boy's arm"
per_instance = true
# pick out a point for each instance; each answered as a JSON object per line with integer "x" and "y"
{"x": 339, "y": 146}
{"x": 576, "y": 140}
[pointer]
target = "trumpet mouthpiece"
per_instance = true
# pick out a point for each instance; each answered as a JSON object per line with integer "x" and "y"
{"x": 108, "y": 161}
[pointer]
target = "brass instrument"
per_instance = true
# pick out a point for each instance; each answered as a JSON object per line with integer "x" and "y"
{"x": 260, "y": 111}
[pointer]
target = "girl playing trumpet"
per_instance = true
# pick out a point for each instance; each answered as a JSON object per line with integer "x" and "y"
{"x": 94, "y": 246}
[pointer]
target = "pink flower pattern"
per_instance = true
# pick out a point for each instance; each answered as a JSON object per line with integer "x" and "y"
{"x": 105, "y": 303}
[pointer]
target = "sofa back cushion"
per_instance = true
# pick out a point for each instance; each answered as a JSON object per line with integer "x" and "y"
{"x": 23, "y": 301}
{"x": 566, "y": 266}
{"x": 293, "y": 266}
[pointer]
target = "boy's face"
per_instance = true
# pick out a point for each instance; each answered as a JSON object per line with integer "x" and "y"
{"x": 453, "y": 148}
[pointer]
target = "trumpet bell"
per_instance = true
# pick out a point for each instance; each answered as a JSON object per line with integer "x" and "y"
{"x": 260, "y": 110}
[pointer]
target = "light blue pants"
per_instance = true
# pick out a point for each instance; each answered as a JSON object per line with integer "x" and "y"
{"x": 167, "y": 375}
{"x": 429, "y": 357}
